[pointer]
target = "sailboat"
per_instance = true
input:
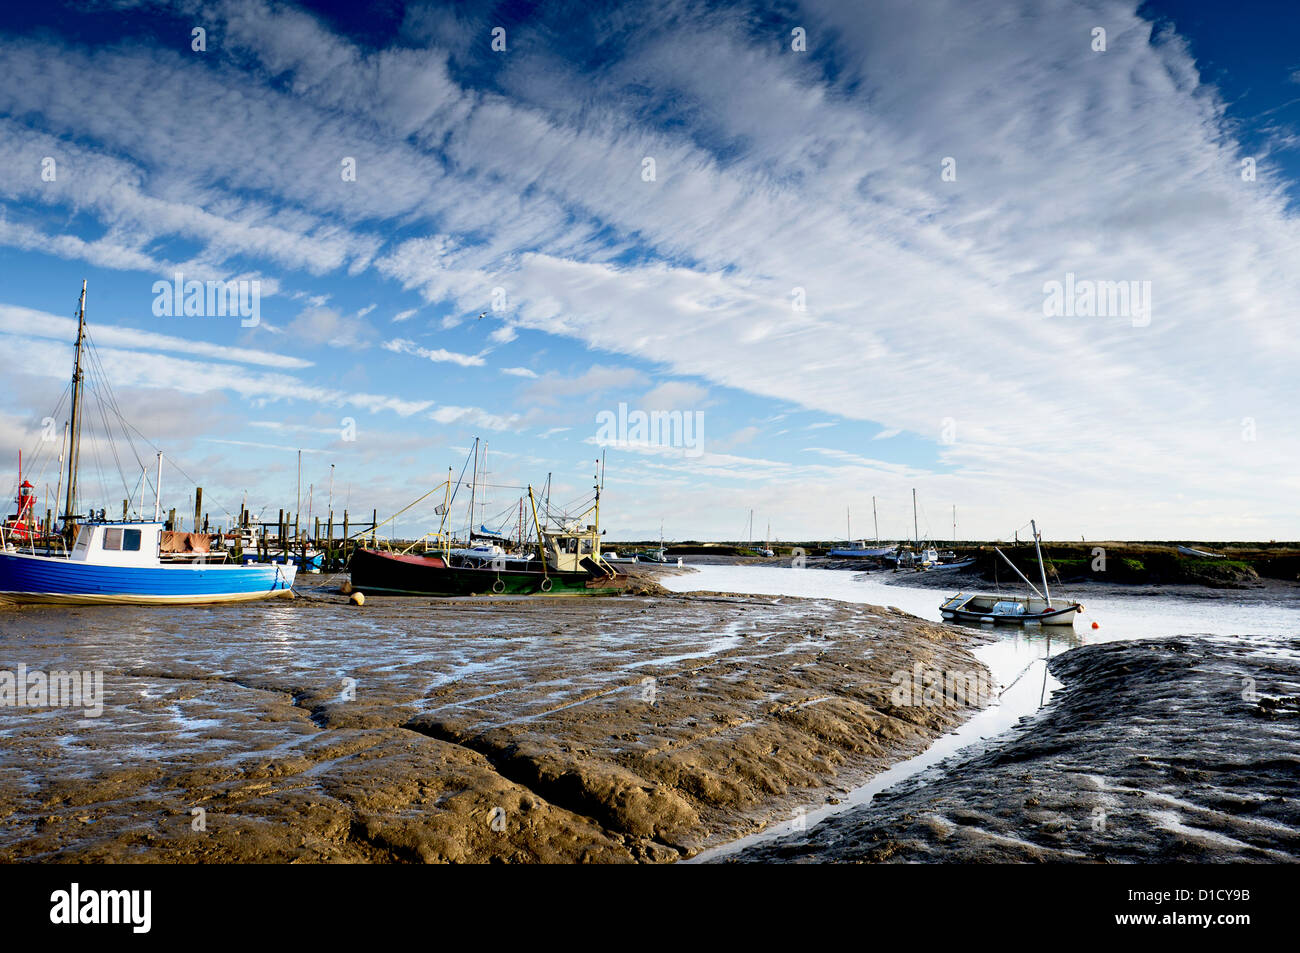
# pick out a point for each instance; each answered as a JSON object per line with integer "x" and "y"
{"x": 999, "y": 608}
{"x": 119, "y": 561}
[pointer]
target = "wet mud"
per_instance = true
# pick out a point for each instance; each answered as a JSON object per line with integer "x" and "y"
{"x": 631, "y": 729}
{"x": 1179, "y": 750}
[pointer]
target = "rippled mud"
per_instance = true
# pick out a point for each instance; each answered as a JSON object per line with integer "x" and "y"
{"x": 611, "y": 730}
{"x": 1182, "y": 750}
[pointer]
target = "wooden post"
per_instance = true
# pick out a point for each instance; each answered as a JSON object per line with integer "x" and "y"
{"x": 374, "y": 528}
{"x": 198, "y": 507}
{"x": 329, "y": 535}
{"x": 171, "y": 518}
{"x": 124, "y": 509}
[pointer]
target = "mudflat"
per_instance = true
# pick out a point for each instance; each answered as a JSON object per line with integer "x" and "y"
{"x": 636, "y": 728}
{"x": 1155, "y": 751}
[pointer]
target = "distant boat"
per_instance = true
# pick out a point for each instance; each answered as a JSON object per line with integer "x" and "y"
{"x": 659, "y": 555}
{"x": 958, "y": 564}
{"x": 861, "y": 550}
{"x": 1188, "y": 551}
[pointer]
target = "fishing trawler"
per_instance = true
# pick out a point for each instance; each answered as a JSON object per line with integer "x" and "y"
{"x": 116, "y": 561}
{"x": 570, "y": 561}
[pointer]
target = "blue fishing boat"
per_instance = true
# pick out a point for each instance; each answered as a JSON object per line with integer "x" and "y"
{"x": 94, "y": 560}
{"x": 118, "y": 563}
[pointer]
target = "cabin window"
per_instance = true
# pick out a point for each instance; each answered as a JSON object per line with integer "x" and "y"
{"x": 83, "y": 537}
{"x": 584, "y": 547}
{"x": 112, "y": 539}
{"x": 131, "y": 540}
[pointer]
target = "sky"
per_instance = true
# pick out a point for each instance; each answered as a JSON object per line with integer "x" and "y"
{"x": 854, "y": 245}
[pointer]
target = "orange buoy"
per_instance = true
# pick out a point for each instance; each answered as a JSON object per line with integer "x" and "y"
{"x": 1096, "y": 626}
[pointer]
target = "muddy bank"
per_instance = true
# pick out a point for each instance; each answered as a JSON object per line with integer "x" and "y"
{"x": 1262, "y": 591}
{"x": 610, "y": 730}
{"x": 1171, "y": 751}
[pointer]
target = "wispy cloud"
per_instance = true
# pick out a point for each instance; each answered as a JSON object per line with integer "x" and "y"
{"x": 437, "y": 355}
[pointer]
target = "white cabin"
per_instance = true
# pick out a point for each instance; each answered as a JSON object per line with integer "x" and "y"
{"x": 118, "y": 544}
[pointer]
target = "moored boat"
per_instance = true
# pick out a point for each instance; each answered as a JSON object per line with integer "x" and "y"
{"x": 1039, "y": 608}
{"x": 569, "y": 563}
{"x": 861, "y": 550}
{"x": 1016, "y": 610}
{"x": 432, "y": 574}
{"x": 119, "y": 563}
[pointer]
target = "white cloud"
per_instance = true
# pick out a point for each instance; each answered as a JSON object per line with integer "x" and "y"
{"x": 39, "y": 324}
{"x": 437, "y": 355}
{"x": 924, "y": 297}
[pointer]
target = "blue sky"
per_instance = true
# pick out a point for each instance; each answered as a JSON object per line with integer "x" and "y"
{"x": 848, "y": 321}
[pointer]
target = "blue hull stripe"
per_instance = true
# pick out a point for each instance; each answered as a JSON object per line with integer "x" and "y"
{"x": 36, "y": 576}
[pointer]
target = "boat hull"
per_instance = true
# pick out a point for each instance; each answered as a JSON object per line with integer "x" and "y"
{"x": 978, "y": 610}
{"x": 27, "y": 578}
{"x": 391, "y": 574}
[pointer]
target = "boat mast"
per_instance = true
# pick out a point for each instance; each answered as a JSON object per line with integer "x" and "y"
{"x": 157, "y": 492}
{"x": 63, "y": 453}
{"x": 916, "y": 533}
{"x": 874, "y": 520}
{"x": 1017, "y": 570}
{"x": 1047, "y": 595}
{"x": 483, "y": 505}
{"x": 473, "y": 485}
{"x": 600, "y": 480}
{"x": 74, "y": 447}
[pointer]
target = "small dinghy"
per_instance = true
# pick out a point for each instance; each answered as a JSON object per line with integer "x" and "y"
{"x": 974, "y": 607}
{"x": 1016, "y": 610}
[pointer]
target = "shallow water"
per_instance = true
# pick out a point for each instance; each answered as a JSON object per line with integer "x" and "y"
{"x": 1018, "y": 659}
